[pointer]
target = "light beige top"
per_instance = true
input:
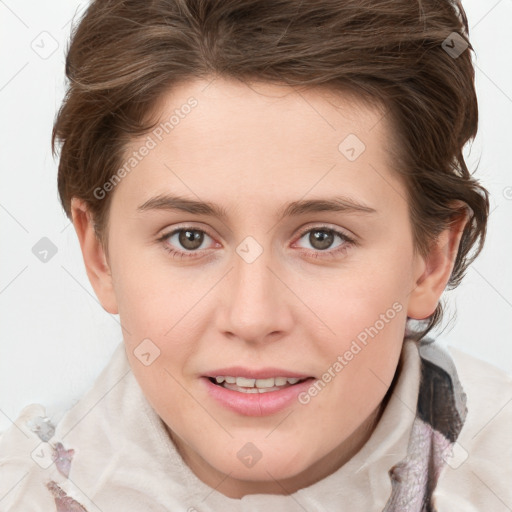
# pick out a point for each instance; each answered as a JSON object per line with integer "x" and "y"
{"x": 125, "y": 461}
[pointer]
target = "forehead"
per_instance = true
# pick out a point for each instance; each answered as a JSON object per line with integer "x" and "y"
{"x": 223, "y": 138}
{"x": 260, "y": 111}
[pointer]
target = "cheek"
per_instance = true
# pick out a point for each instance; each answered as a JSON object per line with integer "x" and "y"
{"x": 156, "y": 309}
{"x": 151, "y": 297}
{"x": 365, "y": 313}
{"x": 360, "y": 298}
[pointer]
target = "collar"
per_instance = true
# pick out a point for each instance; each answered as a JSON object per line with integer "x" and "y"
{"x": 111, "y": 451}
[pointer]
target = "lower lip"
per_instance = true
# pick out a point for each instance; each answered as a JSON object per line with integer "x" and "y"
{"x": 256, "y": 404}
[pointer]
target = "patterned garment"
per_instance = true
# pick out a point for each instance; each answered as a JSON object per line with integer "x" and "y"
{"x": 440, "y": 415}
{"x": 439, "y": 419}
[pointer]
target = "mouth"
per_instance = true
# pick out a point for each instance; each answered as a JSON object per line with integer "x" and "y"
{"x": 256, "y": 397}
{"x": 246, "y": 385}
{"x": 255, "y": 391}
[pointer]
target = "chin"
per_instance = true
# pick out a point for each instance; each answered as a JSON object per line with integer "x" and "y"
{"x": 275, "y": 466}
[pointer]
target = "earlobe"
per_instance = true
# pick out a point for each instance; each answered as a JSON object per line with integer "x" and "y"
{"x": 95, "y": 261}
{"x": 436, "y": 269}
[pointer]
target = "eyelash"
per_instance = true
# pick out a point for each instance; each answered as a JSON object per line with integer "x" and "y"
{"x": 348, "y": 242}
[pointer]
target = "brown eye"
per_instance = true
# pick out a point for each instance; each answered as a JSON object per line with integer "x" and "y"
{"x": 190, "y": 239}
{"x": 184, "y": 242}
{"x": 321, "y": 239}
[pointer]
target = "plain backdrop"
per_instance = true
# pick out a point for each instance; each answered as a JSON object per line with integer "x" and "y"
{"x": 55, "y": 337}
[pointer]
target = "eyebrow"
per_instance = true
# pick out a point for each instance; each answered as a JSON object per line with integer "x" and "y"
{"x": 295, "y": 208}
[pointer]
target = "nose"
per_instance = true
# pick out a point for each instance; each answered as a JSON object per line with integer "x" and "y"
{"x": 254, "y": 301}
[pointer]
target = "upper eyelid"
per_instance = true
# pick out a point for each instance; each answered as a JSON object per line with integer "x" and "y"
{"x": 175, "y": 230}
{"x": 301, "y": 230}
{"x": 326, "y": 227}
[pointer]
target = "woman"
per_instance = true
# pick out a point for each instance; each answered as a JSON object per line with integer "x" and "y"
{"x": 273, "y": 197}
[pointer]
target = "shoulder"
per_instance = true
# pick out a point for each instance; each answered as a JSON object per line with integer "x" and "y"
{"x": 479, "y": 374}
{"x": 489, "y": 401}
{"x": 478, "y": 474}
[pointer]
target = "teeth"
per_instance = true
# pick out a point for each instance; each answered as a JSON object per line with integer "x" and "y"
{"x": 251, "y": 390}
{"x": 264, "y": 383}
{"x": 256, "y": 384}
{"x": 245, "y": 383}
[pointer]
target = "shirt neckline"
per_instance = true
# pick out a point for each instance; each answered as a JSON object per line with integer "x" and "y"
{"x": 116, "y": 410}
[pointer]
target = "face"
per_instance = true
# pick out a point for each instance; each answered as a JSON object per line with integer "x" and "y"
{"x": 300, "y": 266}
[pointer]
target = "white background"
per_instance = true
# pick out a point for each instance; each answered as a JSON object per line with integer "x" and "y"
{"x": 55, "y": 337}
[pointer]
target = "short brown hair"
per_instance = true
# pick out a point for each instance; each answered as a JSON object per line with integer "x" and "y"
{"x": 125, "y": 54}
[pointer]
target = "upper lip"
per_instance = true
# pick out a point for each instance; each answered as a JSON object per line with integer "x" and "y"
{"x": 253, "y": 373}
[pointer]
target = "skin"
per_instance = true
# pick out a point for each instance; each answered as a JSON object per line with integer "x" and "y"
{"x": 252, "y": 150}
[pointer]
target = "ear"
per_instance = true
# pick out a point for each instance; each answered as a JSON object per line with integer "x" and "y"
{"x": 96, "y": 264}
{"x": 435, "y": 269}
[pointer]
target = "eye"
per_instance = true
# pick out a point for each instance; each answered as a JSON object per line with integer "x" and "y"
{"x": 190, "y": 239}
{"x": 321, "y": 239}
{"x": 186, "y": 242}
